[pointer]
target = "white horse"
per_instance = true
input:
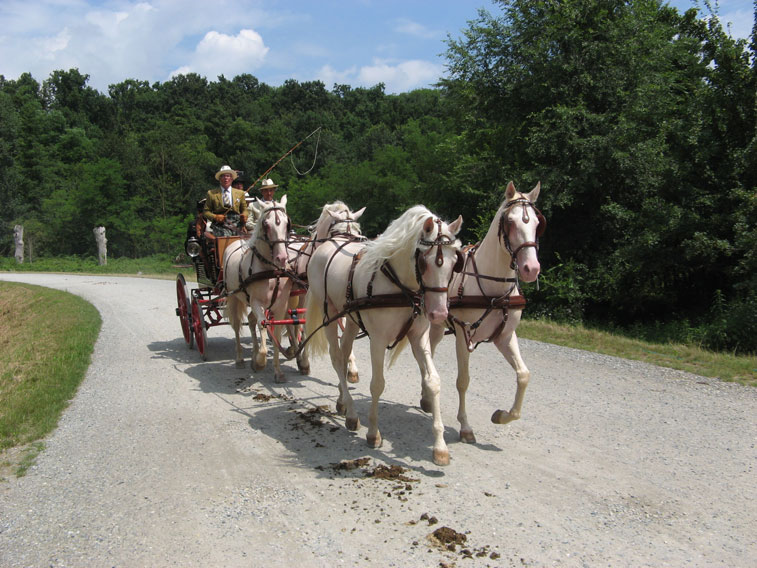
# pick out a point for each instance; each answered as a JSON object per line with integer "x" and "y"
{"x": 255, "y": 275}
{"x": 336, "y": 221}
{"x": 485, "y": 299}
{"x": 391, "y": 287}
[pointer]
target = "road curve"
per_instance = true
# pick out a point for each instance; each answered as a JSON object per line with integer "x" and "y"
{"x": 165, "y": 460}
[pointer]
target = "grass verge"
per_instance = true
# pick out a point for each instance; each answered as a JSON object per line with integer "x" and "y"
{"x": 46, "y": 341}
{"x": 741, "y": 369}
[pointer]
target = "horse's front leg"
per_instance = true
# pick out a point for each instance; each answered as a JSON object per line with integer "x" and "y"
{"x": 278, "y": 374}
{"x": 508, "y": 346}
{"x": 344, "y": 405}
{"x": 378, "y": 351}
{"x": 259, "y": 347}
{"x": 421, "y": 347}
{"x": 435, "y": 335}
{"x": 463, "y": 381}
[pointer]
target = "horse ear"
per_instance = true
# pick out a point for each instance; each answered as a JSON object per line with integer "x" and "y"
{"x": 428, "y": 225}
{"x": 283, "y": 201}
{"x": 455, "y": 226}
{"x": 255, "y": 209}
{"x": 510, "y": 191}
{"x": 356, "y": 215}
{"x": 534, "y": 195}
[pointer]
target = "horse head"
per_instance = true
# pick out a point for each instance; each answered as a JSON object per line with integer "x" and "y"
{"x": 520, "y": 226}
{"x": 271, "y": 232}
{"x": 336, "y": 218}
{"x": 437, "y": 258}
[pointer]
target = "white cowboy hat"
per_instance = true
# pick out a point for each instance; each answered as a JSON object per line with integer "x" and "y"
{"x": 226, "y": 170}
{"x": 268, "y": 184}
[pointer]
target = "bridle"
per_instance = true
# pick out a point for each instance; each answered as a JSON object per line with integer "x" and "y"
{"x": 504, "y": 228}
{"x": 275, "y": 210}
{"x": 421, "y": 258}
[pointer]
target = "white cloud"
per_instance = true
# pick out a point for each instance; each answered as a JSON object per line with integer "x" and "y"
{"x": 401, "y": 77}
{"x": 222, "y": 54}
{"x": 412, "y": 28}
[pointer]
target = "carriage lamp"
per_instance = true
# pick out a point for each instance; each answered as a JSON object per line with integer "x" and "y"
{"x": 192, "y": 247}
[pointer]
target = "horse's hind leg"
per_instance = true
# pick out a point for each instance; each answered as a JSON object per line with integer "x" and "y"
{"x": 259, "y": 346}
{"x": 352, "y": 374}
{"x": 508, "y": 346}
{"x": 235, "y": 312}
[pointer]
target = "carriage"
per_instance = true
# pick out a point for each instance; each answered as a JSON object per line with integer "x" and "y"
{"x": 202, "y": 307}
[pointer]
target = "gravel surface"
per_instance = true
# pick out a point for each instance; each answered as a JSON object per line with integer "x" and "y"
{"x": 165, "y": 460}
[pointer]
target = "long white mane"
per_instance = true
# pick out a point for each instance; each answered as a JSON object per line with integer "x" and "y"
{"x": 399, "y": 240}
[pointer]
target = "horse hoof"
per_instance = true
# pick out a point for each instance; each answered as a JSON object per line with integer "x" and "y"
{"x": 353, "y": 424}
{"x": 280, "y": 379}
{"x": 353, "y": 377}
{"x": 467, "y": 437}
{"x": 425, "y": 405}
{"x": 239, "y": 364}
{"x": 441, "y": 457}
{"x": 305, "y": 370}
{"x": 503, "y": 417}
{"x": 374, "y": 441}
{"x": 258, "y": 367}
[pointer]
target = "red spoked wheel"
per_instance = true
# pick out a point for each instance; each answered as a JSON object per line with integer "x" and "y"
{"x": 198, "y": 327}
{"x": 183, "y": 310}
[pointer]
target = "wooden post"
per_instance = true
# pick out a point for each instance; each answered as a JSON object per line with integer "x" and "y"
{"x": 102, "y": 249}
{"x": 18, "y": 237}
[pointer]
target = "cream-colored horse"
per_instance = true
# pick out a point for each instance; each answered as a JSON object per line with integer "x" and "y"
{"x": 391, "y": 287}
{"x": 255, "y": 276}
{"x": 336, "y": 221}
{"x": 485, "y": 300}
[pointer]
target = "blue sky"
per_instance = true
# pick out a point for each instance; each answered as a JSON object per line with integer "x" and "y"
{"x": 354, "y": 42}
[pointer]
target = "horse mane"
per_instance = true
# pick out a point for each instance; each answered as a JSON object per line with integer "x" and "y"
{"x": 399, "y": 240}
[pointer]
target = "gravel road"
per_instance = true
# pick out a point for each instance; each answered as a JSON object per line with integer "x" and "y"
{"x": 165, "y": 460}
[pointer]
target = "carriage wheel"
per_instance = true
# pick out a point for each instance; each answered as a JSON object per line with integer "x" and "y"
{"x": 198, "y": 326}
{"x": 183, "y": 310}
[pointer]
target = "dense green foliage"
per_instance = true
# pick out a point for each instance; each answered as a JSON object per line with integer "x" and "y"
{"x": 639, "y": 122}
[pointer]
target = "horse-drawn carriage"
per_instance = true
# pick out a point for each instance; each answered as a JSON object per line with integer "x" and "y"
{"x": 416, "y": 268}
{"x": 201, "y": 308}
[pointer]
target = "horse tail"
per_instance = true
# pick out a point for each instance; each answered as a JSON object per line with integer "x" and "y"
{"x": 396, "y": 351}
{"x": 317, "y": 344}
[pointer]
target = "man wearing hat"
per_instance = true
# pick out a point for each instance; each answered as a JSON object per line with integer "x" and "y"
{"x": 225, "y": 201}
{"x": 267, "y": 189}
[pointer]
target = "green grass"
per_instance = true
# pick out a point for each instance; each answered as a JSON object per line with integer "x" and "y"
{"x": 46, "y": 342}
{"x": 691, "y": 358}
{"x": 154, "y": 265}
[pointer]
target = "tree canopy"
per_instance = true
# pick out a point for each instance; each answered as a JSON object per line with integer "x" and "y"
{"x": 639, "y": 121}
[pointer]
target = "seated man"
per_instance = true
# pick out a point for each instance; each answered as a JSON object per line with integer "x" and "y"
{"x": 267, "y": 189}
{"x": 225, "y": 206}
